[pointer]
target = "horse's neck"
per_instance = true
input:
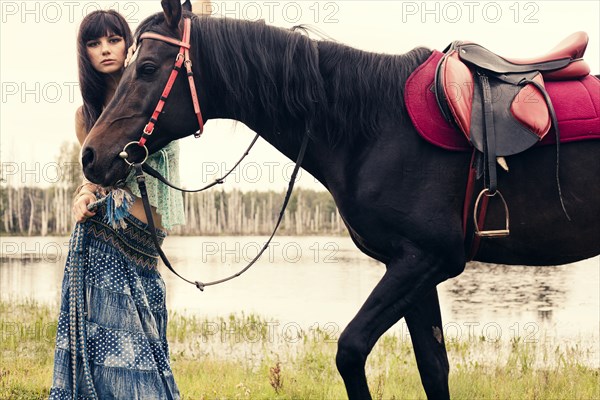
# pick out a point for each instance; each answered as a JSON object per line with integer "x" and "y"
{"x": 275, "y": 86}
{"x": 263, "y": 76}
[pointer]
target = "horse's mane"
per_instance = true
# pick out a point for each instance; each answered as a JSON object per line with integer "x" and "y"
{"x": 323, "y": 82}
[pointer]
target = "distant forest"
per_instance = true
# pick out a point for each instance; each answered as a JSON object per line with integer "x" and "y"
{"x": 32, "y": 210}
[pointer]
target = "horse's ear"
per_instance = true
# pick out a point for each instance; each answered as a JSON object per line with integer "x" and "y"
{"x": 187, "y": 5}
{"x": 172, "y": 10}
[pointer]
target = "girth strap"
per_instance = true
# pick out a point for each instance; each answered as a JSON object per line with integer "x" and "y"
{"x": 489, "y": 152}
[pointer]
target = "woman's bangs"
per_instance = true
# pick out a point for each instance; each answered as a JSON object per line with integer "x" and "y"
{"x": 103, "y": 25}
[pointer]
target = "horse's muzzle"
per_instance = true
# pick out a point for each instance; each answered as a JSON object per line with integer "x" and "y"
{"x": 88, "y": 156}
{"x": 99, "y": 172}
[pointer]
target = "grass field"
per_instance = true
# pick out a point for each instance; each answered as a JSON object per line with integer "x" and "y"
{"x": 251, "y": 357}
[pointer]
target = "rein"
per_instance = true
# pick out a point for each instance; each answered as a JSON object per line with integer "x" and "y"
{"x": 183, "y": 57}
{"x": 152, "y": 172}
{"x": 141, "y": 181}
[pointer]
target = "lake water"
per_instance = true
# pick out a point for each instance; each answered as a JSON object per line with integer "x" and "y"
{"x": 309, "y": 282}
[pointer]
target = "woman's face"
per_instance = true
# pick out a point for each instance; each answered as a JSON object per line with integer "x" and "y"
{"x": 107, "y": 53}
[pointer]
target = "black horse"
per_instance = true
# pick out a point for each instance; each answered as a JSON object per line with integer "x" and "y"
{"x": 400, "y": 197}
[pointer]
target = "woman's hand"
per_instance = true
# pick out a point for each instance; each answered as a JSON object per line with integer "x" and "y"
{"x": 80, "y": 203}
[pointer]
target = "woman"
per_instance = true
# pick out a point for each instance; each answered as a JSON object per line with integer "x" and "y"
{"x": 113, "y": 315}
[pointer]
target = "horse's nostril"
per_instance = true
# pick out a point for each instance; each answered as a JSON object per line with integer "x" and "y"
{"x": 87, "y": 157}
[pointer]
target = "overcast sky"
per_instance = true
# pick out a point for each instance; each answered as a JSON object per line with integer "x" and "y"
{"x": 39, "y": 75}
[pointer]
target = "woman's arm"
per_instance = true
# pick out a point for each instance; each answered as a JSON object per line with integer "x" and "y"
{"x": 85, "y": 193}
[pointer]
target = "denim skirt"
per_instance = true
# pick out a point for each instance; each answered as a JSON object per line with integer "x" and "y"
{"x": 111, "y": 339}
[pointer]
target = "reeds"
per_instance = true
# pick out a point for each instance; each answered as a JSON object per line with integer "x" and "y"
{"x": 251, "y": 357}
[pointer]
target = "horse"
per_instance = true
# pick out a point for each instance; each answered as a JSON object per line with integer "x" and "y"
{"x": 400, "y": 197}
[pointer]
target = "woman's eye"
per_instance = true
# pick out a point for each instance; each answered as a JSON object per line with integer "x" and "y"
{"x": 92, "y": 44}
{"x": 116, "y": 40}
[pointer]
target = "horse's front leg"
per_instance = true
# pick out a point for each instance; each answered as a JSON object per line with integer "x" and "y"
{"x": 407, "y": 281}
{"x": 424, "y": 322}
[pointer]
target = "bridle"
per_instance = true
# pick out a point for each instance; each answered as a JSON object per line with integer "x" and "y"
{"x": 183, "y": 58}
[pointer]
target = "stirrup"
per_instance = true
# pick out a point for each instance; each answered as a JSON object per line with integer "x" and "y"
{"x": 498, "y": 233}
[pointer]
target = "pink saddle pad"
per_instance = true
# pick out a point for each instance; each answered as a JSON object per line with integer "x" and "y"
{"x": 576, "y": 103}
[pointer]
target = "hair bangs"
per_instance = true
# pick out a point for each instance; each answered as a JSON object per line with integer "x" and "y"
{"x": 103, "y": 24}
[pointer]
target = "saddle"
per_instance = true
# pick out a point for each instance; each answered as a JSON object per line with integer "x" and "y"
{"x": 501, "y": 105}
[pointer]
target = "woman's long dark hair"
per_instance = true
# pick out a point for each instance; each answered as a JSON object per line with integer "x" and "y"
{"x": 91, "y": 82}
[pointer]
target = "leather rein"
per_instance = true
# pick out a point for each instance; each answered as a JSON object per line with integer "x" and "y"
{"x": 183, "y": 58}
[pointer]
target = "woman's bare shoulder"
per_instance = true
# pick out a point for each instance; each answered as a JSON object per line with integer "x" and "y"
{"x": 80, "y": 125}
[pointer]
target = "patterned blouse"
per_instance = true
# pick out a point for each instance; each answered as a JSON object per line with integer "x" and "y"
{"x": 168, "y": 201}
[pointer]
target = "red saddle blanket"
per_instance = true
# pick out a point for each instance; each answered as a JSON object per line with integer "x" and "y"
{"x": 576, "y": 103}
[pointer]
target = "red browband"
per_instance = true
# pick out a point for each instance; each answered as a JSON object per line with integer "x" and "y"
{"x": 183, "y": 57}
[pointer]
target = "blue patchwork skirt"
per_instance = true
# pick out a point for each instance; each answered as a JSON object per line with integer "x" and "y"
{"x": 111, "y": 340}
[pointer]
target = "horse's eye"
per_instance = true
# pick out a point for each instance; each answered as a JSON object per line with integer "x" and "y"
{"x": 147, "y": 69}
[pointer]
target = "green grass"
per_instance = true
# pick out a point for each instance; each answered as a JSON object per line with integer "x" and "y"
{"x": 251, "y": 357}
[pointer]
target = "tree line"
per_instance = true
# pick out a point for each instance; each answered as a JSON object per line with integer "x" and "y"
{"x": 33, "y": 210}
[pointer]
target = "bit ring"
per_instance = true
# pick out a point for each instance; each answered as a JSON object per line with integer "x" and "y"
{"x": 124, "y": 155}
